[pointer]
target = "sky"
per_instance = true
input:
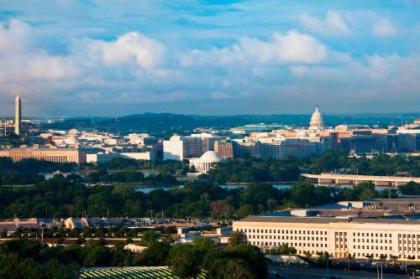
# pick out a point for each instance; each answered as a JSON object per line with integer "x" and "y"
{"x": 119, "y": 57}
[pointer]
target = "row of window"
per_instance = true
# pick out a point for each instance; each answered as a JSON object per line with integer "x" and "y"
{"x": 372, "y": 247}
{"x": 371, "y": 240}
{"x": 283, "y": 231}
{"x": 303, "y": 244}
{"x": 313, "y": 238}
{"x": 388, "y": 256}
{"x": 408, "y": 236}
{"x": 372, "y": 234}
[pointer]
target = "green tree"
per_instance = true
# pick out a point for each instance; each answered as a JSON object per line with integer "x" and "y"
{"x": 236, "y": 238}
{"x": 148, "y": 238}
{"x": 231, "y": 269}
{"x": 284, "y": 249}
{"x": 156, "y": 253}
{"x": 185, "y": 260}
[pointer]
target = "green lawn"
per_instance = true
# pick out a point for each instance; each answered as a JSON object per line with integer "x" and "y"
{"x": 132, "y": 272}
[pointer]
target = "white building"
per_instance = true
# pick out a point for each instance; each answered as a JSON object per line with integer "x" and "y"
{"x": 288, "y": 148}
{"x": 104, "y": 157}
{"x": 317, "y": 122}
{"x": 207, "y": 161}
{"x": 341, "y": 238}
{"x": 100, "y": 158}
{"x": 180, "y": 148}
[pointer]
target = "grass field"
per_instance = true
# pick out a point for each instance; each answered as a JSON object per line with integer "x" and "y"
{"x": 132, "y": 272}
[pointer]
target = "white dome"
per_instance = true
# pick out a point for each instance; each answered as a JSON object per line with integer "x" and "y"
{"x": 317, "y": 122}
{"x": 73, "y": 132}
{"x": 211, "y": 157}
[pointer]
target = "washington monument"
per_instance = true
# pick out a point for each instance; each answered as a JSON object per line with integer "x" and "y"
{"x": 18, "y": 115}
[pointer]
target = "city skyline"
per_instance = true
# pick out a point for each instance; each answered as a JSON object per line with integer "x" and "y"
{"x": 219, "y": 58}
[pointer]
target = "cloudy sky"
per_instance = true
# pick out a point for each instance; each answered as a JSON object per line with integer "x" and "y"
{"x": 104, "y": 57}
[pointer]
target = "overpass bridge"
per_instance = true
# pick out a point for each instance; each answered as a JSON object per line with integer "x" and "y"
{"x": 354, "y": 180}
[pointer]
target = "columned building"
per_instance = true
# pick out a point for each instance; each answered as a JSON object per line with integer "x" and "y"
{"x": 340, "y": 238}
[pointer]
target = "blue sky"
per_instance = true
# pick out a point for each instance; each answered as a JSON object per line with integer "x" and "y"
{"x": 209, "y": 57}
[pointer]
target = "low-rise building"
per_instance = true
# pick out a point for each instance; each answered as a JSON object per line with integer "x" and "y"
{"x": 339, "y": 237}
{"x": 57, "y": 155}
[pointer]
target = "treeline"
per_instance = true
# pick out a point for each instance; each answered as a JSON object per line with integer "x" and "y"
{"x": 28, "y": 171}
{"x": 31, "y": 259}
{"x": 380, "y": 164}
{"x": 259, "y": 170}
{"x": 249, "y": 170}
{"x": 255, "y": 170}
{"x": 64, "y": 197}
{"x": 125, "y": 170}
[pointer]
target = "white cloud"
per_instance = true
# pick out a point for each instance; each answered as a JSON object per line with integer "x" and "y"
{"x": 146, "y": 52}
{"x": 22, "y": 59}
{"x": 384, "y": 28}
{"x": 289, "y": 48}
{"x": 333, "y": 24}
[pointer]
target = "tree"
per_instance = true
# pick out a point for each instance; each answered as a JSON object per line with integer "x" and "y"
{"x": 156, "y": 253}
{"x": 366, "y": 191}
{"x": 411, "y": 188}
{"x": 203, "y": 244}
{"x": 253, "y": 256}
{"x": 231, "y": 269}
{"x": 284, "y": 249}
{"x": 97, "y": 255}
{"x": 184, "y": 260}
{"x": 220, "y": 209}
{"x": 148, "y": 238}
{"x": 236, "y": 238}
{"x": 244, "y": 211}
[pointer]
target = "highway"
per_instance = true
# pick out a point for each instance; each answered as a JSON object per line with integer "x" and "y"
{"x": 314, "y": 273}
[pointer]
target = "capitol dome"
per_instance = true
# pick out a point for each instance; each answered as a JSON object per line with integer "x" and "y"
{"x": 317, "y": 123}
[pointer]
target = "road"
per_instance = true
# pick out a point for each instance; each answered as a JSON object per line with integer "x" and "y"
{"x": 314, "y": 273}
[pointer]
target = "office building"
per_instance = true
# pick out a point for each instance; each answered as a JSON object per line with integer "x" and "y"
{"x": 180, "y": 148}
{"x": 58, "y": 155}
{"x": 339, "y": 237}
{"x": 288, "y": 148}
{"x": 225, "y": 148}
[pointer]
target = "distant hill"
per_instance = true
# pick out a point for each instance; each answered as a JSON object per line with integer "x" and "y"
{"x": 167, "y": 123}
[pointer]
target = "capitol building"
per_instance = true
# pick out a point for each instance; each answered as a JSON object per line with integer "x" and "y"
{"x": 317, "y": 122}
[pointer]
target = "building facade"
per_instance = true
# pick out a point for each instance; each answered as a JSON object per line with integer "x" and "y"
{"x": 57, "y": 155}
{"x": 340, "y": 238}
{"x": 225, "y": 148}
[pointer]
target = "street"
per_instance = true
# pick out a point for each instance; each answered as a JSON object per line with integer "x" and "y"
{"x": 312, "y": 273}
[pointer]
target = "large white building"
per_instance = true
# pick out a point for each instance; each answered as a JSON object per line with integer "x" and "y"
{"x": 289, "y": 148}
{"x": 317, "y": 121}
{"x": 341, "y": 238}
{"x": 179, "y": 148}
{"x": 207, "y": 161}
